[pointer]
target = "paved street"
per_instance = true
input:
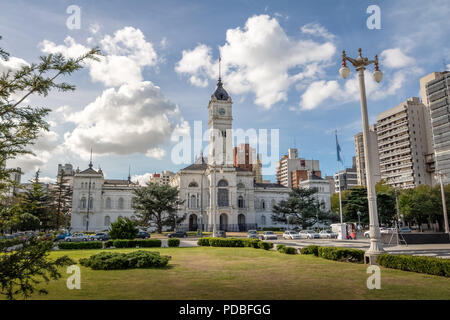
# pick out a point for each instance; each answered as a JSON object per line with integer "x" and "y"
{"x": 432, "y": 250}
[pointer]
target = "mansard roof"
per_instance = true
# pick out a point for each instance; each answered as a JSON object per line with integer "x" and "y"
{"x": 269, "y": 185}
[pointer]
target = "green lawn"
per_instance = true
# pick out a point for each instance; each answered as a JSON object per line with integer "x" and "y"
{"x": 243, "y": 273}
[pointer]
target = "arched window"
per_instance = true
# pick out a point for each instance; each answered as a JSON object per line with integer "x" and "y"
{"x": 83, "y": 203}
{"x": 222, "y": 183}
{"x": 240, "y": 185}
{"x": 193, "y": 201}
{"x": 85, "y": 219}
{"x": 107, "y": 221}
{"x": 263, "y": 220}
{"x": 120, "y": 204}
{"x": 193, "y": 184}
{"x": 263, "y": 204}
{"x": 108, "y": 203}
{"x": 222, "y": 194}
{"x": 240, "y": 202}
{"x": 272, "y": 204}
{"x": 91, "y": 203}
{"x": 82, "y": 185}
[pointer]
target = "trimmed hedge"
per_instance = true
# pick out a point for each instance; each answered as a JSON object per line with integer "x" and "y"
{"x": 234, "y": 242}
{"x": 428, "y": 265}
{"x": 80, "y": 245}
{"x": 284, "y": 249}
{"x": 109, "y": 243}
{"x": 341, "y": 254}
{"x": 149, "y": 243}
{"x": 312, "y": 249}
{"x": 173, "y": 242}
{"x": 273, "y": 229}
{"x": 116, "y": 260}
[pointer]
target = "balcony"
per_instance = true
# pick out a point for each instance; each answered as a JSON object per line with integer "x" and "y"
{"x": 396, "y": 146}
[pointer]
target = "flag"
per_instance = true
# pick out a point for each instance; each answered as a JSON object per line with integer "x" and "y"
{"x": 338, "y": 151}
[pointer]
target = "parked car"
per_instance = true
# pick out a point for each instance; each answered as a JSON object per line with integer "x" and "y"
{"x": 253, "y": 234}
{"x": 269, "y": 235}
{"x": 100, "y": 236}
{"x": 327, "y": 234}
{"x": 404, "y": 230}
{"x": 177, "y": 234}
{"x": 62, "y": 236}
{"x": 288, "y": 234}
{"x": 143, "y": 235}
{"x": 78, "y": 237}
{"x": 308, "y": 234}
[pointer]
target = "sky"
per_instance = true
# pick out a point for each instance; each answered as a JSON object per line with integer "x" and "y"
{"x": 280, "y": 64}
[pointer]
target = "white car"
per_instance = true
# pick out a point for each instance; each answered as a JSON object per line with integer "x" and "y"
{"x": 327, "y": 234}
{"x": 268, "y": 235}
{"x": 308, "y": 234}
{"x": 290, "y": 235}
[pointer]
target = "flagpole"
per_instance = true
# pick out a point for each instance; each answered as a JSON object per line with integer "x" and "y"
{"x": 340, "y": 198}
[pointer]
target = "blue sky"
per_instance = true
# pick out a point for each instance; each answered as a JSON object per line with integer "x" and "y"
{"x": 280, "y": 61}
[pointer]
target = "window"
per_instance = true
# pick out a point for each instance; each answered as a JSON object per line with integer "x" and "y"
{"x": 240, "y": 185}
{"x": 108, "y": 203}
{"x": 222, "y": 183}
{"x": 263, "y": 220}
{"x": 193, "y": 184}
{"x": 91, "y": 203}
{"x": 120, "y": 203}
{"x": 240, "y": 202}
{"x": 83, "y": 203}
{"x": 193, "y": 202}
{"x": 107, "y": 221}
{"x": 222, "y": 193}
{"x": 272, "y": 203}
{"x": 263, "y": 204}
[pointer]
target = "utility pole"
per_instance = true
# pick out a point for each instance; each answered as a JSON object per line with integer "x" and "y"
{"x": 444, "y": 204}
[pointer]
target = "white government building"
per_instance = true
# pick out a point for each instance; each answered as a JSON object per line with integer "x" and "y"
{"x": 240, "y": 203}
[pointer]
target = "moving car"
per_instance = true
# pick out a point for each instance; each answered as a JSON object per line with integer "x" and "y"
{"x": 62, "y": 236}
{"x": 253, "y": 234}
{"x": 143, "y": 235}
{"x": 308, "y": 234}
{"x": 290, "y": 235}
{"x": 404, "y": 230}
{"x": 327, "y": 234}
{"x": 269, "y": 235}
{"x": 78, "y": 237}
{"x": 100, "y": 236}
{"x": 177, "y": 234}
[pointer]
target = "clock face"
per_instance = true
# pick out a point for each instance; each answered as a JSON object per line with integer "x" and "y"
{"x": 222, "y": 111}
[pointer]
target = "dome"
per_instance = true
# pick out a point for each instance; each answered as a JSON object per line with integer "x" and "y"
{"x": 220, "y": 92}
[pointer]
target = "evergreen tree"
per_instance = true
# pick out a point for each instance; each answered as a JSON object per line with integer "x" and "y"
{"x": 62, "y": 195}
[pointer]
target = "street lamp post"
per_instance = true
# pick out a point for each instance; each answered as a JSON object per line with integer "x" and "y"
{"x": 444, "y": 204}
{"x": 213, "y": 199}
{"x": 360, "y": 63}
{"x": 359, "y": 220}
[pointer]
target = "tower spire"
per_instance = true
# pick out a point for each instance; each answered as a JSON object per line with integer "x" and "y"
{"x": 129, "y": 173}
{"x": 220, "y": 69}
{"x": 90, "y": 160}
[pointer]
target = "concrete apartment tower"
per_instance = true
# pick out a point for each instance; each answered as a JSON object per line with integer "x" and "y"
{"x": 403, "y": 144}
{"x": 292, "y": 168}
{"x": 435, "y": 91}
{"x": 360, "y": 159}
{"x": 347, "y": 178}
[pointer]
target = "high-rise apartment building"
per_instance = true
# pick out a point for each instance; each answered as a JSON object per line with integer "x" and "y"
{"x": 245, "y": 157}
{"x": 404, "y": 143}
{"x": 435, "y": 91}
{"x": 290, "y": 163}
{"x": 360, "y": 158}
{"x": 162, "y": 178}
{"x": 346, "y": 178}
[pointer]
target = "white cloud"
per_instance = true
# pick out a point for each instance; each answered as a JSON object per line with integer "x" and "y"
{"x": 156, "y": 153}
{"x": 259, "y": 58}
{"x": 12, "y": 64}
{"x": 395, "y": 58}
{"x": 317, "y": 30}
{"x": 126, "y": 53}
{"x": 317, "y": 92}
{"x": 94, "y": 28}
{"x": 135, "y": 118}
{"x": 142, "y": 178}
{"x": 47, "y": 179}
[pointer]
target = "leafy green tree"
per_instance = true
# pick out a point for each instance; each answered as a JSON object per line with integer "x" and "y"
{"x": 301, "y": 208}
{"x": 23, "y": 269}
{"x": 123, "y": 228}
{"x": 420, "y": 205}
{"x": 156, "y": 203}
{"x": 335, "y": 200}
{"x": 354, "y": 202}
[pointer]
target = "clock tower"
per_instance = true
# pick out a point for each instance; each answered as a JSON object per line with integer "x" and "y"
{"x": 220, "y": 125}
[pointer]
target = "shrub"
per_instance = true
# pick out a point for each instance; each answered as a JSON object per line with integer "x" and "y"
{"x": 312, "y": 249}
{"x": 80, "y": 245}
{"x": 428, "y": 265}
{"x": 273, "y": 229}
{"x": 284, "y": 249}
{"x": 124, "y": 243}
{"x": 265, "y": 245}
{"x": 123, "y": 228}
{"x": 341, "y": 254}
{"x": 203, "y": 241}
{"x": 173, "y": 242}
{"x": 226, "y": 242}
{"x": 252, "y": 243}
{"x": 117, "y": 260}
{"x": 281, "y": 247}
{"x": 148, "y": 243}
{"x": 109, "y": 244}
